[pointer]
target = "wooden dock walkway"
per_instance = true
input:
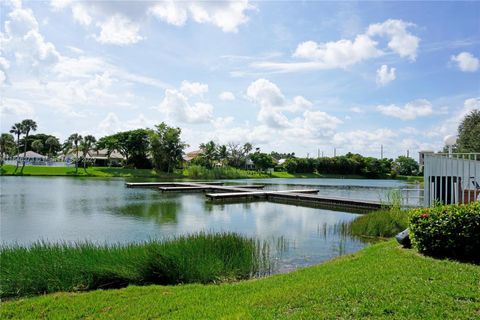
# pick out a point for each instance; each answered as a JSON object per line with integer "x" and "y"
{"x": 236, "y": 193}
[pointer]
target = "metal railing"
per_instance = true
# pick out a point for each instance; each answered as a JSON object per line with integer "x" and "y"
{"x": 451, "y": 178}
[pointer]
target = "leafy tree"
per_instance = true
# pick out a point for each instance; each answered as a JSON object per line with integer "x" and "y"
{"x": 53, "y": 145}
{"x": 74, "y": 141}
{"x": 85, "y": 145}
{"x": 109, "y": 143}
{"x": 469, "y": 133}
{"x": 262, "y": 161}
{"x": 166, "y": 147}
{"x": 27, "y": 126}
{"x": 405, "y": 166}
{"x": 7, "y": 144}
{"x": 17, "y": 130}
{"x": 37, "y": 145}
{"x": 133, "y": 145}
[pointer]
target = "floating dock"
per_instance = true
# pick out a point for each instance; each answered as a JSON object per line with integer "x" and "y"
{"x": 236, "y": 193}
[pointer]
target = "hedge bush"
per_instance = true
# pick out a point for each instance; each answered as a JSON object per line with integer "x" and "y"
{"x": 449, "y": 231}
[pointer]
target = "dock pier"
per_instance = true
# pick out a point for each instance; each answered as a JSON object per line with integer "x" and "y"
{"x": 218, "y": 192}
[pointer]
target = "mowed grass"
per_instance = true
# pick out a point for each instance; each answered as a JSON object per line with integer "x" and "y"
{"x": 70, "y": 171}
{"x": 203, "y": 258}
{"x": 382, "y": 281}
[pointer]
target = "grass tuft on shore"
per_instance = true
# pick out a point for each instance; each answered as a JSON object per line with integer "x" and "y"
{"x": 381, "y": 281}
{"x": 199, "y": 258}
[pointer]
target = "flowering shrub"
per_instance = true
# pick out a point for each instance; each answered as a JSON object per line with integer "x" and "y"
{"x": 450, "y": 231}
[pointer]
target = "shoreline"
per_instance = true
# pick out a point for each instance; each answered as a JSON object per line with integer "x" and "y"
{"x": 118, "y": 172}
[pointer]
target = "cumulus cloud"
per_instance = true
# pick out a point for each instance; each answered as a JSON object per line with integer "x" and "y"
{"x": 118, "y": 30}
{"x": 401, "y": 41}
{"x": 410, "y": 111}
{"x": 466, "y": 62}
{"x": 22, "y": 37}
{"x": 344, "y": 53}
{"x": 339, "y": 54}
{"x": 177, "y": 106}
{"x": 226, "y": 96}
{"x": 385, "y": 75}
{"x": 193, "y": 88}
{"x": 120, "y": 22}
{"x": 272, "y": 102}
{"x": 363, "y": 140}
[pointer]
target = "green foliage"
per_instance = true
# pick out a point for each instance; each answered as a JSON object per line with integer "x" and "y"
{"x": 44, "y": 268}
{"x": 406, "y": 166}
{"x": 469, "y": 133}
{"x": 262, "y": 161}
{"x": 381, "y": 281}
{"x": 166, "y": 147}
{"x": 451, "y": 231}
{"x": 7, "y": 145}
{"x": 201, "y": 172}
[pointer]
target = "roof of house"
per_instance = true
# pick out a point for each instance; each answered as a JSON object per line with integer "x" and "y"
{"x": 191, "y": 155}
{"x": 31, "y": 154}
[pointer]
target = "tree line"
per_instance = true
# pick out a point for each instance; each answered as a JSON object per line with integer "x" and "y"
{"x": 162, "y": 148}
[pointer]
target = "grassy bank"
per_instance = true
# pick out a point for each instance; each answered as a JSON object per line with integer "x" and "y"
{"x": 46, "y": 268}
{"x": 193, "y": 172}
{"x": 381, "y": 281}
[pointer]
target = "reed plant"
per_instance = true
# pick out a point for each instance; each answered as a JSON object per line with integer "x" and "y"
{"x": 198, "y": 258}
{"x": 385, "y": 223}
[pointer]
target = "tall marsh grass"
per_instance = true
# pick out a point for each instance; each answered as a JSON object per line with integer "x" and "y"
{"x": 201, "y": 258}
{"x": 200, "y": 172}
{"x": 385, "y": 223}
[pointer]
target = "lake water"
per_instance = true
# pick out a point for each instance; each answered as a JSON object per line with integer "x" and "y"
{"x": 105, "y": 211}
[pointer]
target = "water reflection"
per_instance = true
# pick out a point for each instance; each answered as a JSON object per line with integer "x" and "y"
{"x": 104, "y": 211}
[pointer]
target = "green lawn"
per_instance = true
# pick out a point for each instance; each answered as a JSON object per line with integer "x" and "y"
{"x": 381, "y": 281}
{"x": 217, "y": 173}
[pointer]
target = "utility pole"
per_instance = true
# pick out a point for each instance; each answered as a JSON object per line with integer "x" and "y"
{"x": 334, "y": 152}
{"x": 381, "y": 152}
{"x": 318, "y": 153}
{"x": 408, "y": 153}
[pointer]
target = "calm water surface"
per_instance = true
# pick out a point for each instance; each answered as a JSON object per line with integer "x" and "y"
{"x": 105, "y": 211}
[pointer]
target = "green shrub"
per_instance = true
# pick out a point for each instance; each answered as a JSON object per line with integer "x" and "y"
{"x": 204, "y": 258}
{"x": 449, "y": 231}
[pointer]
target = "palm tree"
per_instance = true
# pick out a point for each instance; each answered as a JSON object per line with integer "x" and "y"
{"x": 75, "y": 139}
{"x": 7, "y": 142}
{"x": 27, "y": 126}
{"x": 17, "y": 129}
{"x": 209, "y": 153}
{"x": 223, "y": 154}
{"x": 87, "y": 144}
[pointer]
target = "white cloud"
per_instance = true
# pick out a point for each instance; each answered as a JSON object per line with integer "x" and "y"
{"x": 385, "y": 75}
{"x": 265, "y": 93}
{"x": 118, "y": 30}
{"x": 227, "y": 15}
{"x": 22, "y": 38}
{"x": 193, "y": 88}
{"x": 411, "y": 110}
{"x": 226, "y": 96}
{"x": 339, "y": 54}
{"x": 401, "y": 41}
{"x": 356, "y": 110}
{"x": 466, "y": 62}
{"x": 177, "y": 107}
{"x": 344, "y": 53}
{"x": 120, "y": 21}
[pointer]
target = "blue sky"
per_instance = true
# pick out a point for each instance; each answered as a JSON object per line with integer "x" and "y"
{"x": 288, "y": 76}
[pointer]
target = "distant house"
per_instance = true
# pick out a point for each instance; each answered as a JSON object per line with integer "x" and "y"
{"x": 189, "y": 156}
{"x": 249, "y": 165}
{"x": 99, "y": 157}
{"x": 31, "y": 157}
